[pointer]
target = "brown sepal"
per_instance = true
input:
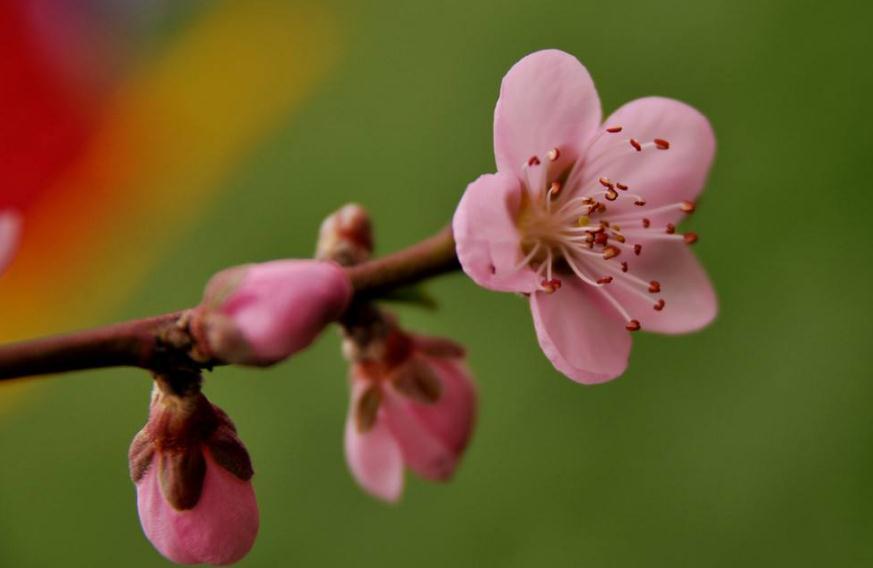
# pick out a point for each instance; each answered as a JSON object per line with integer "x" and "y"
{"x": 181, "y": 473}
{"x": 367, "y": 409}
{"x": 229, "y": 452}
{"x": 418, "y": 381}
{"x": 140, "y": 455}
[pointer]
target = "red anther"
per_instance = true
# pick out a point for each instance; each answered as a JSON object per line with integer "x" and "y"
{"x": 604, "y": 280}
{"x": 588, "y": 201}
{"x": 601, "y": 208}
{"x": 654, "y": 286}
{"x": 640, "y": 202}
{"x": 601, "y": 238}
{"x": 555, "y": 188}
{"x": 533, "y": 161}
{"x": 613, "y": 129}
{"x": 621, "y": 186}
{"x": 636, "y": 145}
{"x": 604, "y": 224}
{"x": 624, "y": 266}
{"x": 610, "y": 252}
{"x": 661, "y": 144}
{"x": 687, "y": 206}
{"x": 646, "y": 223}
{"x": 638, "y": 249}
{"x": 611, "y": 194}
{"x": 659, "y": 305}
{"x": 619, "y": 237}
{"x": 554, "y": 154}
{"x": 632, "y": 325}
{"x": 604, "y": 181}
{"x": 550, "y": 286}
{"x": 671, "y": 228}
{"x": 589, "y": 238}
{"x": 690, "y": 238}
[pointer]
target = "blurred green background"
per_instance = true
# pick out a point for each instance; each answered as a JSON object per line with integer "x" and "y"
{"x": 750, "y": 443}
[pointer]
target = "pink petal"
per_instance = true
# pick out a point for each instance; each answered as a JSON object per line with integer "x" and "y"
{"x": 10, "y": 227}
{"x": 487, "y": 240}
{"x": 219, "y": 530}
{"x": 661, "y": 177}
{"x": 424, "y": 452}
{"x": 373, "y": 457}
{"x": 547, "y": 100}
{"x": 580, "y": 333}
{"x": 690, "y": 299}
{"x": 453, "y": 416}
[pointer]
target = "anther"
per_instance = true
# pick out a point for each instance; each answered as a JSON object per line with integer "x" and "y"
{"x": 555, "y": 188}
{"x": 690, "y": 238}
{"x": 583, "y": 221}
{"x": 632, "y": 325}
{"x": 601, "y": 208}
{"x": 604, "y": 280}
{"x": 619, "y": 237}
{"x": 533, "y": 161}
{"x": 659, "y": 305}
{"x": 611, "y": 194}
{"x": 613, "y": 129}
{"x": 554, "y": 154}
{"x": 640, "y": 202}
{"x": 646, "y": 223}
{"x": 624, "y": 266}
{"x": 610, "y": 252}
{"x": 671, "y": 228}
{"x": 549, "y": 286}
{"x": 636, "y": 145}
{"x": 604, "y": 181}
{"x": 661, "y": 144}
{"x": 621, "y": 186}
{"x": 654, "y": 286}
{"x": 638, "y": 249}
{"x": 687, "y": 206}
{"x": 601, "y": 238}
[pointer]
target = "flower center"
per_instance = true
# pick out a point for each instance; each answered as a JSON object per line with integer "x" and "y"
{"x": 576, "y": 225}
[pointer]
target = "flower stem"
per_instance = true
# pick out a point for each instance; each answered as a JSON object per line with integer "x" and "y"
{"x": 164, "y": 341}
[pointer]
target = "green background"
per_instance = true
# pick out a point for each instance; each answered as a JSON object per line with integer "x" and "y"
{"x": 750, "y": 443}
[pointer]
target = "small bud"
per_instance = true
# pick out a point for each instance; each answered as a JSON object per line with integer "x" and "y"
{"x": 260, "y": 314}
{"x": 346, "y": 236}
{"x": 413, "y": 406}
{"x": 193, "y": 478}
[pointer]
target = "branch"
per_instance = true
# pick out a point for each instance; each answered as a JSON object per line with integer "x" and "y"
{"x": 164, "y": 342}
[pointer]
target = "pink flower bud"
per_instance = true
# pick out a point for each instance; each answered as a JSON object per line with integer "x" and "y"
{"x": 413, "y": 404}
{"x": 346, "y": 236}
{"x": 10, "y": 227}
{"x": 193, "y": 480}
{"x": 260, "y": 314}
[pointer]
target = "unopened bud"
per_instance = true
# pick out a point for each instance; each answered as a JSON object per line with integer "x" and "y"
{"x": 346, "y": 236}
{"x": 193, "y": 477}
{"x": 260, "y": 314}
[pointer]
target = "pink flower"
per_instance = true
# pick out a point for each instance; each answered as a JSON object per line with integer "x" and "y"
{"x": 260, "y": 314}
{"x": 413, "y": 404}
{"x": 193, "y": 481}
{"x": 581, "y": 215}
{"x": 10, "y": 228}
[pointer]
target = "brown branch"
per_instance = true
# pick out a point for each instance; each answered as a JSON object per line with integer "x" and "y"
{"x": 164, "y": 342}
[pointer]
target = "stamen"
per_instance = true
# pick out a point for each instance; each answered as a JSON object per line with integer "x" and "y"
{"x": 632, "y": 325}
{"x": 553, "y": 154}
{"x": 610, "y": 252}
{"x": 550, "y": 286}
{"x": 604, "y": 280}
{"x": 660, "y": 305}
{"x": 687, "y": 206}
{"x": 690, "y": 238}
{"x": 555, "y": 188}
{"x": 654, "y": 286}
{"x": 671, "y": 228}
{"x": 613, "y": 129}
{"x": 646, "y": 223}
{"x": 640, "y": 202}
{"x": 604, "y": 181}
{"x": 621, "y": 186}
{"x": 611, "y": 195}
{"x": 636, "y": 145}
{"x": 624, "y": 266}
{"x": 533, "y": 161}
{"x": 526, "y": 260}
{"x": 583, "y": 221}
{"x": 661, "y": 144}
{"x": 638, "y": 249}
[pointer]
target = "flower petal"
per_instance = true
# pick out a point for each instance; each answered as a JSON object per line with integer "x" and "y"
{"x": 581, "y": 333}
{"x": 661, "y": 177}
{"x": 423, "y": 451}
{"x": 10, "y": 226}
{"x": 374, "y": 456}
{"x": 547, "y": 100}
{"x": 487, "y": 240}
{"x": 690, "y": 301}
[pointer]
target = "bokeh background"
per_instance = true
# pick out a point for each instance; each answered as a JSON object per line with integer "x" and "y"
{"x": 150, "y": 143}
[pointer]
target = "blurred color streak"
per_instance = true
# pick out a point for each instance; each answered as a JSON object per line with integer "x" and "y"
{"x": 110, "y": 165}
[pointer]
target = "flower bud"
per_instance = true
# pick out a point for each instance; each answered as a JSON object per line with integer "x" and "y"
{"x": 10, "y": 227}
{"x": 260, "y": 314}
{"x": 346, "y": 236}
{"x": 413, "y": 404}
{"x": 193, "y": 479}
